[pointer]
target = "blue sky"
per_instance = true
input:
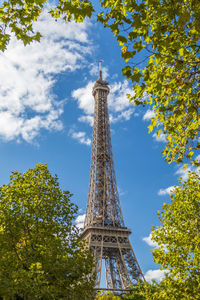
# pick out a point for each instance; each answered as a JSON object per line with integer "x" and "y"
{"x": 46, "y": 113}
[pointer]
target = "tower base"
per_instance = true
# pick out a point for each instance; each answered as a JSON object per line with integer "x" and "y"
{"x": 111, "y": 245}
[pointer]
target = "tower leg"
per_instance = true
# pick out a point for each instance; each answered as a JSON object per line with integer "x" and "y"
{"x": 109, "y": 282}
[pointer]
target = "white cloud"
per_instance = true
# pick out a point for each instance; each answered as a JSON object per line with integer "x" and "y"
{"x": 121, "y": 192}
{"x": 80, "y": 221}
{"x": 85, "y": 98}
{"x": 80, "y": 136}
{"x": 149, "y": 241}
{"x": 72, "y": 31}
{"x": 156, "y": 275}
{"x": 27, "y": 77}
{"x": 117, "y": 99}
{"x": 89, "y": 119}
{"x": 160, "y": 138}
{"x": 182, "y": 172}
{"x": 148, "y": 115}
{"x": 198, "y": 157}
{"x": 167, "y": 191}
{"x": 123, "y": 116}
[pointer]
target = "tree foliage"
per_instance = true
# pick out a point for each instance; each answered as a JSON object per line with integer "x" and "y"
{"x": 141, "y": 291}
{"x": 179, "y": 236}
{"x": 166, "y": 34}
{"x": 168, "y": 289}
{"x": 41, "y": 255}
{"x": 106, "y": 296}
{"x": 18, "y": 16}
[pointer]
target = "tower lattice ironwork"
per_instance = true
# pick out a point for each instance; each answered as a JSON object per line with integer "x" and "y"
{"x": 104, "y": 228}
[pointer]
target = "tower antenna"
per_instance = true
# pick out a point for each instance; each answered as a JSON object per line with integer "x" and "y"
{"x": 100, "y": 69}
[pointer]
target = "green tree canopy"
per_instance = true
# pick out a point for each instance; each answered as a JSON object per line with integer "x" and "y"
{"x": 178, "y": 238}
{"x": 18, "y": 16}
{"x": 141, "y": 291}
{"x": 41, "y": 255}
{"x": 166, "y": 33}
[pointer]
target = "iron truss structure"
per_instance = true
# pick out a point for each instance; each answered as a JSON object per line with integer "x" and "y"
{"x": 104, "y": 229}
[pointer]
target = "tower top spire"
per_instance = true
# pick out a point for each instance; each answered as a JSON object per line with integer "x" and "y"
{"x": 100, "y": 84}
{"x": 100, "y": 70}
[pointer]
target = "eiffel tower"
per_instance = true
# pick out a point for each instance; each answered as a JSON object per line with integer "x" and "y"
{"x": 104, "y": 229}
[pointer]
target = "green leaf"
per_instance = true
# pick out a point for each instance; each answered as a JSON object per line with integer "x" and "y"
{"x": 121, "y": 40}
